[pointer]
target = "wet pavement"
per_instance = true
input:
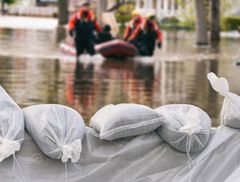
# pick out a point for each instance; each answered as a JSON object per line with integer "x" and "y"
{"x": 33, "y": 72}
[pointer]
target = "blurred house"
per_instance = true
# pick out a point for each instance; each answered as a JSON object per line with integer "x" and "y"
{"x": 181, "y": 8}
{"x": 162, "y": 8}
{"x": 232, "y": 8}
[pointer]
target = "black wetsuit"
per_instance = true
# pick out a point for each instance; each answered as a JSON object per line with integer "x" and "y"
{"x": 104, "y": 37}
{"x": 145, "y": 41}
{"x": 84, "y": 39}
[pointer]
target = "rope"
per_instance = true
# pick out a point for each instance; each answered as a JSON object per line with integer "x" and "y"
{"x": 66, "y": 173}
{"x": 16, "y": 164}
{"x": 190, "y": 161}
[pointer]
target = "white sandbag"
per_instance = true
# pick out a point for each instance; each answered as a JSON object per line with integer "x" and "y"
{"x": 124, "y": 120}
{"x": 11, "y": 126}
{"x": 57, "y": 130}
{"x": 230, "y": 112}
{"x": 186, "y": 128}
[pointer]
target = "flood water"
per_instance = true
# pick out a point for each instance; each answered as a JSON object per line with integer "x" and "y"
{"x": 34, "y": 72}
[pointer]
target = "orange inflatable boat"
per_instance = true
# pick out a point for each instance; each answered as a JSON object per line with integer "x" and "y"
{"x": 112, "y": 49}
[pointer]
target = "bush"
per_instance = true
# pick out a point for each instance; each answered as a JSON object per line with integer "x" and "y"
{"x": 121, "y": 30}
{"x": 170, "y": 20}
{"x": 4, "y": 2}
{"x": 124, "y": 13}
{"x": 174, "y": 23}
{"x": 9, "y": 1}
{"x": 230, "y": 23}
{"x": 188, "y": 24}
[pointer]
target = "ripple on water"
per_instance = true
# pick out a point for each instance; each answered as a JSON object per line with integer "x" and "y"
{"x": 88, "y": 87}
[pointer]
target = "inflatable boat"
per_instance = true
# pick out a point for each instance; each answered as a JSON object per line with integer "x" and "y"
{"x": 112, "y": 49}
{"x": 116, "y": 48}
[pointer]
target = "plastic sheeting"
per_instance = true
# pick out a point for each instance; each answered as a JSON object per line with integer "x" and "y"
{"x": 145, "y": 158}
{"x": 11, "y": 126}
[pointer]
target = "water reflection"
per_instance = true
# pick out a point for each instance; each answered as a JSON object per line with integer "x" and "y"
{"x": 61, "y": 34}
{"x": 83, "y": 88}
{"x": 144, "y": 76}
{"x": 88, "y": 86}
{"x": 22, "y": 43}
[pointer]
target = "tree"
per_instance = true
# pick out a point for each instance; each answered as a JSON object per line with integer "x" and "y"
{"x": 215, "y": 20}
{"x": 201, "y": 22}
{"x": 102, "y": 6}
{"x": 3, "y": 2}
{"x": 124, "y": 13}
{"x": 63, "y": 12}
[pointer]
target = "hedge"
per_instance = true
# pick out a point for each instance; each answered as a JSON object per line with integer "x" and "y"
{"x": 230, "y": 23}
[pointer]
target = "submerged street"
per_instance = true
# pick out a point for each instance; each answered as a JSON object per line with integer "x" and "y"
{"x": 33, "y": 71}
{"x": 119, "y": 91}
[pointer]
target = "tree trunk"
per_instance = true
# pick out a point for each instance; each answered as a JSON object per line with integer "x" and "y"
{"x": 62, "y": 12}
{"x": 102, "y": 6}
{"x": 215, "y": 24}
{"x": 2, "y": 6}
{"x": 201, "y": 24}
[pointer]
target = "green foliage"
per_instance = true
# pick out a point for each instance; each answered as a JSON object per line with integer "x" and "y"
{"x": 169, "y": 22}
{"x": 9, "y": 1}
{"x": 188, "y": 24}
{"x": 188, "y": 21}
{"x": 124, "y": 13}
{"x": 188, "y": 16}
{"x": 121, "y": 30}
{"x": 230, "y": 23}
{"x": 228, "y": 5}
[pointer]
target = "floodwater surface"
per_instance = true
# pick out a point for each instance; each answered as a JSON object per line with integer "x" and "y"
{"x": 34, "y": 72}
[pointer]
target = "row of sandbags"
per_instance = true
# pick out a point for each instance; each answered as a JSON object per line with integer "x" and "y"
{"x": 58, "y": 130}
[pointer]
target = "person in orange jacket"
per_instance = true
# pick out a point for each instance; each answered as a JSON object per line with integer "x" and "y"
{"x": 82, "y": 26}
{"x": 133, "y": 24}
{"x": 145, "y": 36}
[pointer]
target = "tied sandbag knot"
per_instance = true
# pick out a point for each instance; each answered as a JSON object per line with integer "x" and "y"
{"x": 220, "y": 85}
{"x": 8, "y": 148}
{"x": 72, "y": 151}
{"x": 192, "y": 123}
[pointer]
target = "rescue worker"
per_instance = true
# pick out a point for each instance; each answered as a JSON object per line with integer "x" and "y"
{"x": 133, "y": 24}
{"x": 145, "y": 36}
{"x": 82, "y": 26}
{"x": 105, "y": 35}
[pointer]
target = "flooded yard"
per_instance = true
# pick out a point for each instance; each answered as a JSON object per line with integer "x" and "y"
{"x": 33, "y": 72}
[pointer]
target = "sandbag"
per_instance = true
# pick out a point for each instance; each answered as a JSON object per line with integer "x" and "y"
{"x": 57, "y": 130}
{"x": 11, "y": 126}
{"x": 186, "y": 128}
{"x": 124, "y": 120}
{"x": 230, "y": 112}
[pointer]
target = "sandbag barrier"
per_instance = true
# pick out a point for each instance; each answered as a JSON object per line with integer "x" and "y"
{"x": 59, "y": 130}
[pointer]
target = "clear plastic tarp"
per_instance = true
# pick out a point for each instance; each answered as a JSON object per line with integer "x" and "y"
{"x": 145, "y": 158}
{"x": 11, "y": 126}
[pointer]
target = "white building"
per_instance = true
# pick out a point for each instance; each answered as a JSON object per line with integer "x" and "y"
{"x": 162, "y": 8}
